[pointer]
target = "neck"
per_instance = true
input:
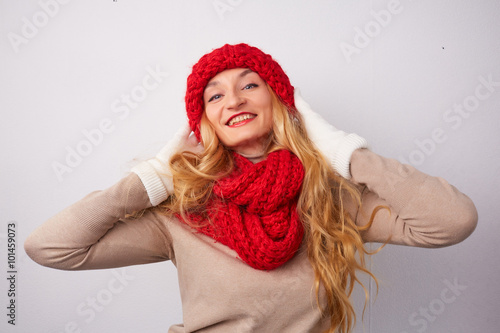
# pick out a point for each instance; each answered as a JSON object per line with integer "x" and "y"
{"x": 255, "y": 157}
{"x": 256, "y": 153}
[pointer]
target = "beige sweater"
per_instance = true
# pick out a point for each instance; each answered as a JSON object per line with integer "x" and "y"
{"x": 219, "y": 292}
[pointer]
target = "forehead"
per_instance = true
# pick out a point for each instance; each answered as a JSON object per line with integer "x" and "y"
{"x": 230, "y": 74}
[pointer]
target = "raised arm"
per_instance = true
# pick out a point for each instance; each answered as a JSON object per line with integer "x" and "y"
{"x": 93, "y": 233}
{"x": 423, "y": 210}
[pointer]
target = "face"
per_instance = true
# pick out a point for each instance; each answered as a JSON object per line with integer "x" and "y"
{"x": 238, "y": 104}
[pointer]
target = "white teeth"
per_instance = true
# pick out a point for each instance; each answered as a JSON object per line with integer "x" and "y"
{"x": 238, "y": 119}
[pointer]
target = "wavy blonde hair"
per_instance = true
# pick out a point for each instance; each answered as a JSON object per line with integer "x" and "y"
{"x": 334, "y": 244}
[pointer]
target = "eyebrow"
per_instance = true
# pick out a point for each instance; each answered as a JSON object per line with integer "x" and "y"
{"x": 242, "y": 74}
{"x": 245, "y": 72}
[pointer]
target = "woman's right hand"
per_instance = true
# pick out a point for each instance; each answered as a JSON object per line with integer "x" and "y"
{"x": 155, "y": 173}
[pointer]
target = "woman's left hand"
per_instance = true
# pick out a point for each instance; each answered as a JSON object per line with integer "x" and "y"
{"x": 336, "y": 145}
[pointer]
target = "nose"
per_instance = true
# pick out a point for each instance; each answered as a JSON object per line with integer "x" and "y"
{"x": 234, "y": 100}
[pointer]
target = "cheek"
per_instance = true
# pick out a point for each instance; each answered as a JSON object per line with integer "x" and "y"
{"x": 211, "y": 116}
{"x": 268, "y": 115}
{"x": 213, "y": 119}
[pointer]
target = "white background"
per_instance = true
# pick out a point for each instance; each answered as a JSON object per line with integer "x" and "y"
{"x": 64, "y": 67}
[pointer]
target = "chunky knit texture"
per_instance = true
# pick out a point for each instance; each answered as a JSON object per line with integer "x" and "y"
{"x": 253, "y": 210}
{"x": 229, "y": 57}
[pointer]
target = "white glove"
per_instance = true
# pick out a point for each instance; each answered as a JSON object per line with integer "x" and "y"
{"x": 155, "y": 173}
{"x": 336, "y": 145}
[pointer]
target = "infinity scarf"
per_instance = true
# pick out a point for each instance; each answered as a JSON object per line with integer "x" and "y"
{"x": 253, "y": 210}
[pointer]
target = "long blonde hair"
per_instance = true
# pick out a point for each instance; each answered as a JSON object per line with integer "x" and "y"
{"x": 334, "y": 244}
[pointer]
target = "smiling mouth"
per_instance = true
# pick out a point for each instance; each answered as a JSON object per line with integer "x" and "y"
{"x": 239, "y": 119}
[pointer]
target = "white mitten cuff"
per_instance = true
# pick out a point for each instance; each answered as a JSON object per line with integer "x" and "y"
{"x": 341, "y": 160}
{"x": 155, "y": 187}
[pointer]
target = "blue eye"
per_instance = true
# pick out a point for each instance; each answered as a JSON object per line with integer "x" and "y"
{"x": 250, "y": 86}
{"x": 214, "y": 97}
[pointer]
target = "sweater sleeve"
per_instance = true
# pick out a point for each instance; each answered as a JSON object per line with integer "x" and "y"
{"x": 420, "y": 210}
{"x": 93, "y": 233}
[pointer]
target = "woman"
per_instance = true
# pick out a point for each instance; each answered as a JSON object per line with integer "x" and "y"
{"x": 267, "y": 232}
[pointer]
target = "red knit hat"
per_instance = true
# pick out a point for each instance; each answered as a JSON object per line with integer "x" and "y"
{"x": 228, "y": 57}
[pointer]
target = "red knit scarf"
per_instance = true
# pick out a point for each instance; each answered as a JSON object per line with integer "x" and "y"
{"x": 253, "y": 210}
